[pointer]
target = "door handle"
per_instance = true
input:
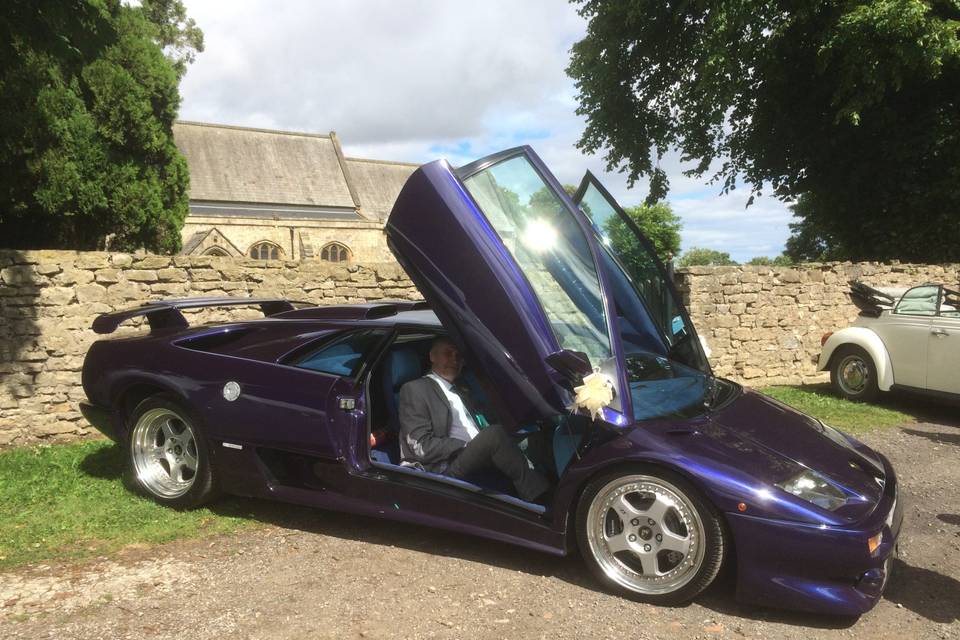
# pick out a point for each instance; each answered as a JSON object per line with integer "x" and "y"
{"x": 940, "y": 333}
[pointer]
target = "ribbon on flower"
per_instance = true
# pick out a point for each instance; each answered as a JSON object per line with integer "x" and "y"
{"x": 594, "y": 394}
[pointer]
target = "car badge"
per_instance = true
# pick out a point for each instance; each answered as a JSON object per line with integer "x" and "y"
{"x": 231, "y": 391}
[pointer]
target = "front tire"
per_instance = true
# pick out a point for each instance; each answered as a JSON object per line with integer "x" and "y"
{"x": 649, "y": 535}
{"x": 168, "y": 458}
{"x": 853, "y": 374}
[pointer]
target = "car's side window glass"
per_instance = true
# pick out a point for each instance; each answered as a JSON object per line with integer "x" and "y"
{"x": 950, "y": 304}
{"x": 550, "y": 248}
{"x": 342, "y": 356}
{"x": 919, "y": 301}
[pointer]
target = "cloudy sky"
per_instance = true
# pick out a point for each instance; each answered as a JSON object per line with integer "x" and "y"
{"x": 415, "y": 80}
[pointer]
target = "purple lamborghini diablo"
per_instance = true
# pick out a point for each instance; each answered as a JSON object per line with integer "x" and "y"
{"x": 676, "y": 474}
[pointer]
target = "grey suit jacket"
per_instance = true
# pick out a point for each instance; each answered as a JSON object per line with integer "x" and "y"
{"x": 425, "y": 419}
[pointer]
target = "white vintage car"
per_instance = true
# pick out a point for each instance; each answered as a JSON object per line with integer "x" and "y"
{"x": 906, "y": 340}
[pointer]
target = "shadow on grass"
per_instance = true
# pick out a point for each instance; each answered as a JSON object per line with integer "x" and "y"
{"x": 919, "y": 407}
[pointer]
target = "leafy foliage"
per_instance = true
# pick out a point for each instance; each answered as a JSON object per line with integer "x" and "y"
{"x": 700, "y": 257}
{"x": 657, "y": 222}
{"x": 87, "y": 104}
{"x": 853, "y": 106}
{"x": 764, "y": 261}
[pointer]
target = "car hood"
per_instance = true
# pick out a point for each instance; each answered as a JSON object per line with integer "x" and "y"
{"x": 778, "y": 441}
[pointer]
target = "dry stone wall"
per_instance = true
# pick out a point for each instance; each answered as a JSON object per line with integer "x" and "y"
{"x": 763, "y": 324}
{"x": 48, "y": 300}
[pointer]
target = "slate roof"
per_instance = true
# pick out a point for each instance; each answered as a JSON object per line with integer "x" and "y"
{"x": 230, "y": 164}
{"x": 237, "y": 164}
{"x": 378, "y": 183}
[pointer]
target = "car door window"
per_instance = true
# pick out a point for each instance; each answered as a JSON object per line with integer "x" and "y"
{"x": 919, "y": 301}
{"x": 343, "y": 356}
{"x": 551, "y": 250}
{"x": 650, "y": 316}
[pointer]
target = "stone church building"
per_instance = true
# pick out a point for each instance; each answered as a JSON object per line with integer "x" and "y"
{"x": 284, "y": 195}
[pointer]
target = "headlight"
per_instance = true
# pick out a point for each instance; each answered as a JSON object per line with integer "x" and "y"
{"x": 813, "y": 487}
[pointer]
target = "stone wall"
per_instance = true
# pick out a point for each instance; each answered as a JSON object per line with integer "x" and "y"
{"x": 48, "y": 300}
{"x": 763, "y": 324}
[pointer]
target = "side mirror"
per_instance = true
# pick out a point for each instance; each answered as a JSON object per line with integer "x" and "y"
{"x": 572, "y": 365}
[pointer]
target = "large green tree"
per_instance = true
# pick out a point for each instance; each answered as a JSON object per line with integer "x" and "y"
{"x": 851, "y": 105}
{"x": 657, "y": 222}
{"x": 87, "y": 103}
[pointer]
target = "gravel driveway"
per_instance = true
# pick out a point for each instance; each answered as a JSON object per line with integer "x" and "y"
{"x": 318, "y": 574}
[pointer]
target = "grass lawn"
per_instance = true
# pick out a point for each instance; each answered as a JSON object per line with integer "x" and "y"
{"x": 68, "y": 502}
{"x": 852, "y": 417}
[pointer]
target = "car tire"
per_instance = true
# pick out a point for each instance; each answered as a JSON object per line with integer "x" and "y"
{"x": 168, "y": 458}
{"x": 649, "y": 535}
{"x": 853, "y": 374}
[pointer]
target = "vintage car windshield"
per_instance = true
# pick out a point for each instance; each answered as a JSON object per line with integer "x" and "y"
{"x": 550, "y": 248}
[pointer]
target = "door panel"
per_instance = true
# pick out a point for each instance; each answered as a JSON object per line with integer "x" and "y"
{"x": 906, "y": 338}
{"x": 280, "y": 407}
{"x": 943, "y": 356}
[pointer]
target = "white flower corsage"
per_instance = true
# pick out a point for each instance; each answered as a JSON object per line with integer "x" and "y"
{"x": 594, "y": 394}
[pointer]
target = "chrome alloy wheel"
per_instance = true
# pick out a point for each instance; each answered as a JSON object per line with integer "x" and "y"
{"x": 853, "y": 374}
{"x": 163, "y": 447}
{"x": 645, "y": 534}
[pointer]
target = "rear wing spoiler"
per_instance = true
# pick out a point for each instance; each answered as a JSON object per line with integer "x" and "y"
{"x": 165, "y": 314}
{"x": 871, "y": 302}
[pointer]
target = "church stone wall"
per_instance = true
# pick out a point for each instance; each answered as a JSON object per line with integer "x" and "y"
{"x": 48, "y": 300}
{"x": 763, "y": 324}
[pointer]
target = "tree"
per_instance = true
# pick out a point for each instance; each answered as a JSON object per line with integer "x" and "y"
{"x": 657, "y": 222}
{"x": 86, "y": 116}
{"x": 850, "y": 106}
{"x": 764, "y": 261}
{"x": 700, "y": 257}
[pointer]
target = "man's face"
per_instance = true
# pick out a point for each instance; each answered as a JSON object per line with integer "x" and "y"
{"x": 446, "y": 360}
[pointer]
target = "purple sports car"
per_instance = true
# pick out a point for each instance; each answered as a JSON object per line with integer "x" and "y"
{"x": 576, "y": 342}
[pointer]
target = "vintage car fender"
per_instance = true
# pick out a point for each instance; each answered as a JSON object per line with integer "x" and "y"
{"x": 869, "y": 342}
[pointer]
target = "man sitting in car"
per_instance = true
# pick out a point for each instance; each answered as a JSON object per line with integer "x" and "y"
{"x": 439, "y": 433}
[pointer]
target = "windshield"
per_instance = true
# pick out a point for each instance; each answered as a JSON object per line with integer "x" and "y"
{"x": 663, "y": 388}
{"x": 550, "y": 248}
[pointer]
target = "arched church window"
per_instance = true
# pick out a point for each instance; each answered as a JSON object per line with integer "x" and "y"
{"x": 335, "y": 252}
{"x": 265, "y": 251}
{"x": 216, "y": 251}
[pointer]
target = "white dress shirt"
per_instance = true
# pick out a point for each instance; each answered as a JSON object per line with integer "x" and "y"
{"x": 462, "y": 427}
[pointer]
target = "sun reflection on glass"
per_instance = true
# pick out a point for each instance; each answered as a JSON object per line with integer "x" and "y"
{"x": 540, "y": 236}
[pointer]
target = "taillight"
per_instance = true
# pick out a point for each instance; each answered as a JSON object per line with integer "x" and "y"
{"x": 825, "y": 337}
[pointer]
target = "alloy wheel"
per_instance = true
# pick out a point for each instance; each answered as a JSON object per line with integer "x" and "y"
{"x": 164, "y": 453}
{"x": 645, "y": 534}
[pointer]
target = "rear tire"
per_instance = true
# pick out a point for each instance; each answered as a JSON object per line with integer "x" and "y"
{"x": 167, "y": 457}
{"x": 853, "y": 374}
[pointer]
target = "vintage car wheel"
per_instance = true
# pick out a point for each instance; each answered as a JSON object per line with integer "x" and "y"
{"x": 167, "y": 456}
{"x": 649, "y": 535}
{"x": 854, "y": 375}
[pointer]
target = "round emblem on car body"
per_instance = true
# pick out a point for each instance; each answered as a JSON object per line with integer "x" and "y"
{"x": 231, "y": 391}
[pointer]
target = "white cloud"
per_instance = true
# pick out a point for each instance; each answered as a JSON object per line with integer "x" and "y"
{"x": 411, "y": 80}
